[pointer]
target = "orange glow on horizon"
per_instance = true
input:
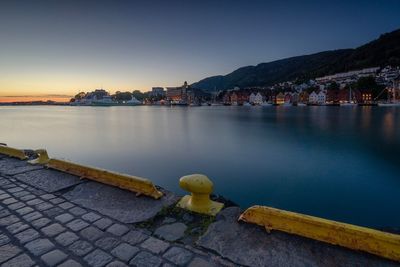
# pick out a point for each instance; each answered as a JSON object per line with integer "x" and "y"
{"x": 10, "y": 99}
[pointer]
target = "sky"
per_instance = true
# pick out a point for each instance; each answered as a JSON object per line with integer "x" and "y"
{"x": 56, "y": 48}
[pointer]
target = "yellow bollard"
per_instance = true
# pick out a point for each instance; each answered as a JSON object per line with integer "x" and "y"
{"x": 201, "y": 187}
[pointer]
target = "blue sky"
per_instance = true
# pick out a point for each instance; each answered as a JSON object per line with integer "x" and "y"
{"x": 61, "y": 47}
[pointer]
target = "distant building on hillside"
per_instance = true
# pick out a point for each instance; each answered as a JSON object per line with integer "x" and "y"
{"x": 177, "y": 94}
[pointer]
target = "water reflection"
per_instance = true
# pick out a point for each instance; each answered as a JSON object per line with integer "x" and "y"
{"x": 334, "y": 162}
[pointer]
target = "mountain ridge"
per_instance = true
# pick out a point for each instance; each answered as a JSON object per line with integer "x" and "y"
{"x": 382, "y": 51}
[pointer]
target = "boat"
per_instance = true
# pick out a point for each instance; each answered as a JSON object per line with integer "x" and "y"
{"x": 301, "y": 105}
{"x": 106, "y": 101}
{"x": 287, "y": 104}
{"x": 350, "y": 102}
{"x": 246, "y": 104}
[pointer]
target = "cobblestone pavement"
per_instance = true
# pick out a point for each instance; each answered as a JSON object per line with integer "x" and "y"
{"x": 48, "y": 218}
{"x": 42, "y": 229}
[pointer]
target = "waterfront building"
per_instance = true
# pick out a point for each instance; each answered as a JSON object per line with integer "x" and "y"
{"x": 303, "y": 97}
{"x": 157, "y": 92}
{"x": 177, "y": 94}
{"x": 321, "y": 98}
{"x": 279, "y": 99}
{"x": 313, "y": 98}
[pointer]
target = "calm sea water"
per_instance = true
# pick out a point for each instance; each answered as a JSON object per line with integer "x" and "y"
{"x": 338, "y": 163}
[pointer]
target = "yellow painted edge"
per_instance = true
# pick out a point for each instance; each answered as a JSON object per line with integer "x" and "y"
{"x": 13, "y": 152}
{"x": 132, "y": 183}
{"x": 376, "y": 242}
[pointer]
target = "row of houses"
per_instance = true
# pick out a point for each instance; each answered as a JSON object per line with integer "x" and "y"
{"x": 320, "y": 97}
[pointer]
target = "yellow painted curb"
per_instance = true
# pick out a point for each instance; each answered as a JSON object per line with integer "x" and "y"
{"x": 380, "y": 243}
{"x": 13, "y": 152}
{"x": 132, "y": 183}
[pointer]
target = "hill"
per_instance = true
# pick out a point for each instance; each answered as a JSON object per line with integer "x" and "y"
{"x": 383, "y": 51}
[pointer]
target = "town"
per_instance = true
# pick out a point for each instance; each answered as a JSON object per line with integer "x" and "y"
{"x": 371, "y": 86}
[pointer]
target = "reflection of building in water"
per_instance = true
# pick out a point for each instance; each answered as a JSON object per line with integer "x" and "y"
{"x": 388, "y": 126}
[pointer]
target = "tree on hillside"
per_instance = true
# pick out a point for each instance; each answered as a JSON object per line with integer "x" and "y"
{"x": 122, "y": 96}
{"x": 138, "y": 95}
{"x": 369, "y": 83}
{"x": 333, "y": 86}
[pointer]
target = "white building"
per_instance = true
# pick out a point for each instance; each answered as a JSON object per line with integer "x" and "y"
{"x": 313, "y": 98}
{"x": 256, "y": 99}
{"x": 321, "y": 98}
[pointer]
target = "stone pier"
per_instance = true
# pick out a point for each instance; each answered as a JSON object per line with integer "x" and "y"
{"x": 49, "y": 218}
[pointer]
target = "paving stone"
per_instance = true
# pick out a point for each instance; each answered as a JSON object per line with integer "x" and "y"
{"x": 39, "y": 246}
{"x": 77, "y": 211}
{"x": 91, "y": 233}
{"x": 63, "y": 218}
{"x": 199, "y": 262}
{"x": 77, "y": 225}
{"x": 7, "y": 252}
{"x": 21, "y": 194}
{"x": 24, "y": 211}
{"x": 4, "y": 239}
{"x": 47, "y": 196}
{"x": 22, "y": 260}
{"x": 54, "y": 257}
{"x": 39, "y": 223}
{"x": 66, "y": 238}
{"x": 11, "y": 166}
{"x": 9, "y": 201}
{"x": 15, "y": 189}
{"x": 118, "y": 203}
{"x": 168, "y": 220}
{"x": 103, "y": 223}
{"x": 4, "y": 213}
{"x": 43, "y": 206}
{"x": 116, "y": 264}
{"x": 70, "y": 263}
{"x": 32, "y": 216}
{"x": 171, "y": 232}
{"x": 4, "y": 196}
{"x": 179, "y": 256}
{"x": 81, "y": 247}
{"x": 34, "y": 201}
{"x": 53, "y": 212}
{"x": 117, "y": 229}
{"x": 135, "y": 237}
{"x": 124, "y": 251}
{"x": 16, "y": 206}
{"x": 66, "y": 205}
{"x": 27, "y": 235}
{"x": 17, "y": 227}
{"x": 155, "y": 245}
{"x": 57, "y": 200}
{"x": 40, "y": 179}
{"x": 107, "y": 243}
{"x": 146, "y": 259}
{"x": 91, "y": 217}
{"x": 8, "y": 220}
{"x": 98, "y": 258}
{"x": 53, "y": 229}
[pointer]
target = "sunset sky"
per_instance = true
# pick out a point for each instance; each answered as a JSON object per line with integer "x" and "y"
{"x": 53, "y": 49}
